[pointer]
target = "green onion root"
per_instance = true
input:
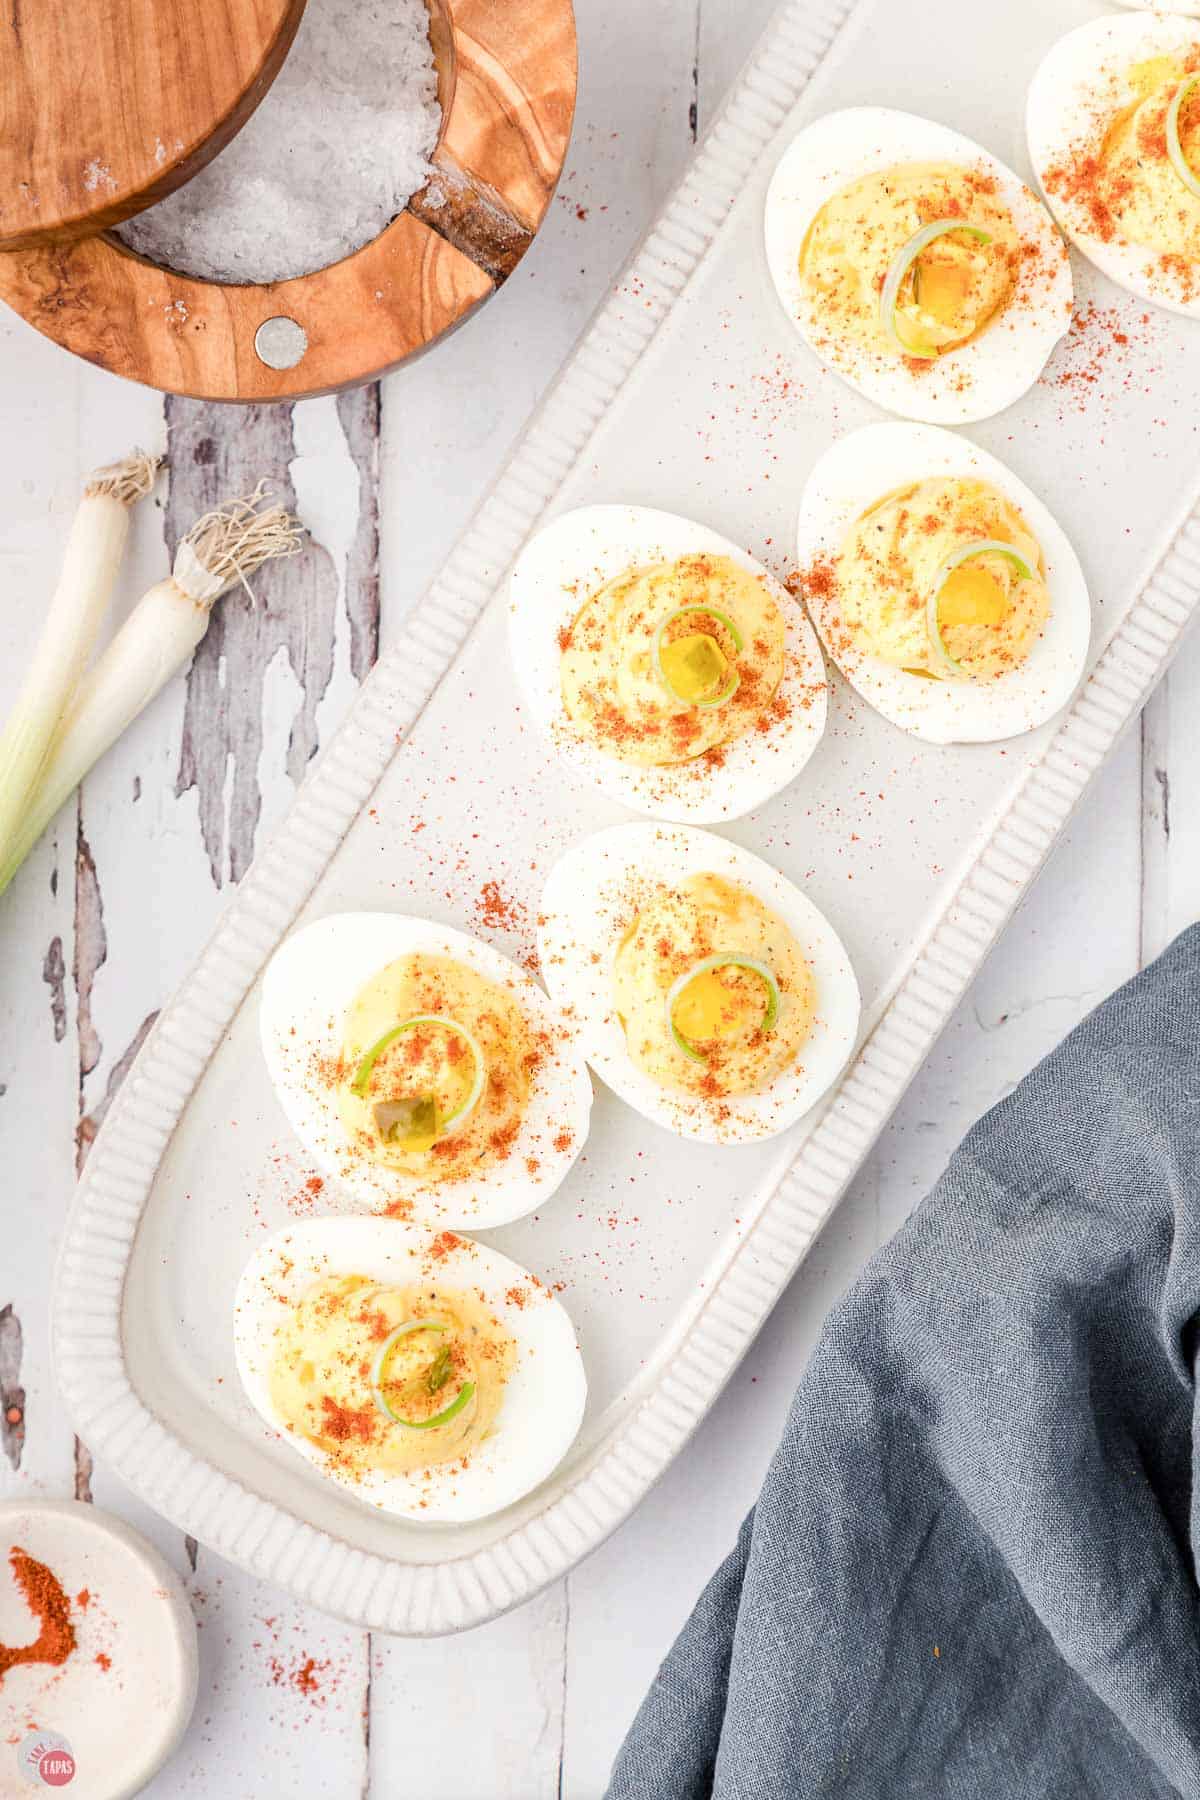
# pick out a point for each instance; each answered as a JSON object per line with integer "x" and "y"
{"x": 222, "y": 549}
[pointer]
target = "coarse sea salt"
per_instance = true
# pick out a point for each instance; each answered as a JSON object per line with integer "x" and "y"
{"x": 336, "y": 149}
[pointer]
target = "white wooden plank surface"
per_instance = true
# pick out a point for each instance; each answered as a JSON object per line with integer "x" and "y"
{"x": 115, "y": 903}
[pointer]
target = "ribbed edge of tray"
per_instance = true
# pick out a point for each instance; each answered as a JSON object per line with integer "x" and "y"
{"x": 418, "y": 1600}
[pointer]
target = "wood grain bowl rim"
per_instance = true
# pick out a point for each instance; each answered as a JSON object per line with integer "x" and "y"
{"x": 453, "y": 245}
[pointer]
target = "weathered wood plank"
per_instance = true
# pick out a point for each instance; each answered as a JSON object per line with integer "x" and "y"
{"x": 43, "y": 467}
{"x": 292, "y": 614}
{"x": 170, "y": 817}
{"x": 474, "y": 1717}
{"x": 37, "y": 1107}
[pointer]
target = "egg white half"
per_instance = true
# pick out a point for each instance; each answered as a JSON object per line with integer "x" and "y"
{"x": 1079, "y": 84}
{"x": 306, "y": 989}
{"x": 1189, "y": 7}
{"x": 860, "y": 469}
{"x": 979, "y": 378}
{"x": 590, "y": 901}
{"x": 544, "y": 1396}
{"x": 577, "y": 554}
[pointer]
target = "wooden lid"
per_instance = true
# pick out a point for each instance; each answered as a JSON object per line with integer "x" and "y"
{"x": 107, "y": 105}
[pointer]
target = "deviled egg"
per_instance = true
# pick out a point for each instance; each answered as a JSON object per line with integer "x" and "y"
{"x": 712, "y": 995}
{"x": 1114, "y": 133}
{"x": 665, "y": 664}
{"x": 915, "y": 264}
{"x": 423, "y": 1070}
{"x": 941, "y": 586}
{"x": 427, "y": 1374}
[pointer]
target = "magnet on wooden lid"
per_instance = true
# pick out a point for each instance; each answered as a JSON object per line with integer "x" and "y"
{"x": 506, "y": 89}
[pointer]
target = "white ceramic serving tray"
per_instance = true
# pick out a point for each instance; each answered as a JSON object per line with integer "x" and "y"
{"x": 690, "y": 391}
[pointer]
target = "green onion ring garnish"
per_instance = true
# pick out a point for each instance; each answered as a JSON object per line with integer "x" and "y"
{"x": 907, "y": 256}
{"x": 362, "y": 1075}
{"x": 385, "y": 1350}
{"x": 699, "y": 612}
{"x": 726, "y": 960}
{"x": 447, "y": 1413}
{"x": 1179, "y": 161}
{"x": 980, "y": 547}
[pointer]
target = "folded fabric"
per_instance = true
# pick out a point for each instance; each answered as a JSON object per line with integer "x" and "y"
{"x": 971, "y": 1571}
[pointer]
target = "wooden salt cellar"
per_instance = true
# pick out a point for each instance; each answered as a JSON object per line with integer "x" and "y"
{"x": 506, "y": 83}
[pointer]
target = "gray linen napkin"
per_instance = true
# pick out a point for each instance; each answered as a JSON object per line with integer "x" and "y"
{"x": 971, "y": 1570}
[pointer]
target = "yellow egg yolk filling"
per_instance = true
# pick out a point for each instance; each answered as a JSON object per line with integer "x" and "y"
{"x": 695, "y": 666}
{"x": 696, "y": 1018}
{"x": 720, "y": 1005}
{"x": 389, "y": 1379}
{"x": 1124, "y": 182}
{"x": 671, "y": 660}
{"x": 952, "y": 288}
{"x": 436, "y": 1069}
{"x": 894, "y": 558}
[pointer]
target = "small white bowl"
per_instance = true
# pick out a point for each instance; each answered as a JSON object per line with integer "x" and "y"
{"x": 120, "y": 1703}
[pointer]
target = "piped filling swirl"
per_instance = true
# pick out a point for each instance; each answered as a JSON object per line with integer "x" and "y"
{"x": 671, "y": 661}
{"x": 711, "y": 989}
{"x": 912, "y": 261}
{"x": 943, "y": 578}
{"x": 388, "y": 1379}
{"x": 436, "y": 1069}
